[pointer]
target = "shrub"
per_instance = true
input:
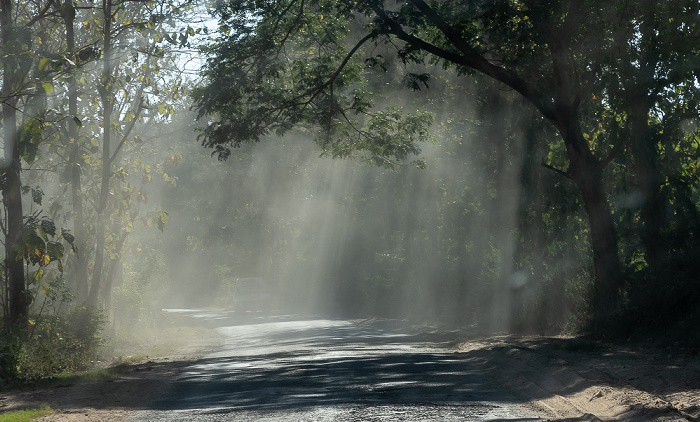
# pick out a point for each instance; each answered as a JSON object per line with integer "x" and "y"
{"x": 64, "y": 342}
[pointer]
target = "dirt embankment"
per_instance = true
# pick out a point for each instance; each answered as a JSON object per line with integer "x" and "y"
{"x": 577, "y": 379}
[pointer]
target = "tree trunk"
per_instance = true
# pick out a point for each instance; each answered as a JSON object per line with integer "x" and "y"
{"x": 11, "y": 191}
{"x": 19, "y": 297}
{"x": 81, "y": 258}
{"x": 107, "y": 104}
{"x": 587, "y": 172}
{"x": 606, "y": 261}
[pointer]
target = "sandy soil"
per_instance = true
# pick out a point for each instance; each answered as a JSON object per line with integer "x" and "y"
{"x": 576, "y": 379}
{"x": 566, "y": 379}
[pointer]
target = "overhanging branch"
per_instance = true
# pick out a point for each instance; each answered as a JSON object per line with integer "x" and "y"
{"x": 469, "y": 56}
{"x": 556, "y": 170}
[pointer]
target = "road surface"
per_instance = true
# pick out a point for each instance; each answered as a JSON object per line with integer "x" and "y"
{"x": 286, "y": 369}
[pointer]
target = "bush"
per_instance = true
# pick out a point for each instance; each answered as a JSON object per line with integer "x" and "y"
{"x": 55, "y": 344}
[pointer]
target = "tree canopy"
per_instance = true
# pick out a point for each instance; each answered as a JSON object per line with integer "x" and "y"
{"x": 612, "y": 78}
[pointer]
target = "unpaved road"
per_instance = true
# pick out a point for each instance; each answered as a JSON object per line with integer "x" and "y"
{"x": 286, "y": 369}
{"x": 330, "y": 370}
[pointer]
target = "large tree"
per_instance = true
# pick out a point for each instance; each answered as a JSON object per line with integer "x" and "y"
{"x": 25, "y": 37}
{"x": 277, "y": 65}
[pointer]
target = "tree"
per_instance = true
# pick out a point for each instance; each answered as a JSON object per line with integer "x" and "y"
{"x": 281, "y": 64}
{"x": 25, "y": 83}
{"x": 12, "y": 77}
{"x": 129, "y": 86}
{"x": 653, "y": 58}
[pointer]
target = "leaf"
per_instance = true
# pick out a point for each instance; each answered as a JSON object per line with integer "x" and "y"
{"x": 55, "y": 250}
{"x": 160, "y": 220}
{"x": 38, "y": 275}
{"x": 163, "y": 220}
{"x": 37, "y": 196}
{"x": 48, "y": 87}
{"x": 77, "y": 121}
{"x": 30, "y": 136}
{"x": 48, "y": 227}
{"x": 33, "y": 246}
{"x": 68, "y": 237}
{"x": 45, "y": 260}
{"x": 43, "y": 63}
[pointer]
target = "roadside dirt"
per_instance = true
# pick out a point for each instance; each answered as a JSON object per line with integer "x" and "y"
{"x": 577, "y": 379}
{"x": 567, "y": 379}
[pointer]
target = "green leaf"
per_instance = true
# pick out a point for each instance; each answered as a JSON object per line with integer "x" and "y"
{"x": 30, "y": 136}
{"x": 55, "y": 250}
{"x": 43, "y": 63}
{"x": 33, "y": 246}
{"x": 48, "y": 87}
{"x": 38, "y": 275}
{"x": 160, "y": 220}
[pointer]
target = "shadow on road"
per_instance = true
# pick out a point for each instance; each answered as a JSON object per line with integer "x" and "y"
{"x": 290, "y": 365}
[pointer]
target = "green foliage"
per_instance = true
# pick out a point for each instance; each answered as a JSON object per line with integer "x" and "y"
{"x": 26, "y": 415}
{"x": 63, "y": 342}
{"x": 616, "y": 81}
{"x": 56, "y": 342}
{"x": 41, "y": 244}
{"x": 10, "y": 351}
{"x": 294, "y": 68}
{"x": 30, "y": 137}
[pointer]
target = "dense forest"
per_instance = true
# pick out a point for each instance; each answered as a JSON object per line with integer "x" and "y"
{"x": 512, "y": 166}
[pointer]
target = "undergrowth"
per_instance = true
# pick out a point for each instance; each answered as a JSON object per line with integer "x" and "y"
{"x": 26, "y": 415}
{"x": 54, "y": 344}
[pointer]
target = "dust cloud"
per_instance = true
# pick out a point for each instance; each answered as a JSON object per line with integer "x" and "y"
{"x": 459, "y": 243}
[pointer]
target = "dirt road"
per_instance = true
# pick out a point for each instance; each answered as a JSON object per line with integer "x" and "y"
{"x": 290, "y": 369}
{"x": 554, "y": 378}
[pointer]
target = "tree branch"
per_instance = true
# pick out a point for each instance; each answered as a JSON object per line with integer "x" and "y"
{"x": 139, "y": 107}
{"x": 469, "y": 56}
{"x": 556, "y": 170}
{"x": 312, "y": 93}
{"x": 39, "y": 15}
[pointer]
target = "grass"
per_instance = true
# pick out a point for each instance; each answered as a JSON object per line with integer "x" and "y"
{"x": 70, "y": 378}
{"x": 26, "y": 414}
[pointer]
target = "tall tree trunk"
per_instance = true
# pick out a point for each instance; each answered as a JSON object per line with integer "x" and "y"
{"x": 11, "y": 191}
{"x": 107, "y": 104}
{"x": 587, "y": 172}
{"x": 81, "y": 258}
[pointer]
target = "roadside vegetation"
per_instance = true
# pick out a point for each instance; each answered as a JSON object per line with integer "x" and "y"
{"x": 510, "y": 166}
{"x": 26, "y": 415}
